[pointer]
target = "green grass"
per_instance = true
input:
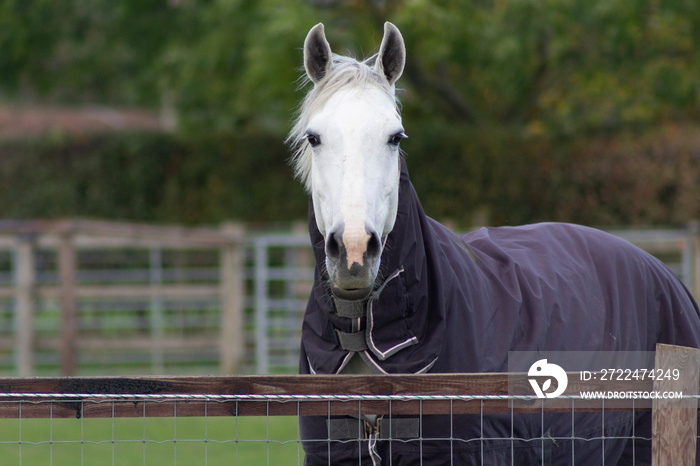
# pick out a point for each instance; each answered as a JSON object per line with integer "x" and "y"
{"x": 246, "y": 441}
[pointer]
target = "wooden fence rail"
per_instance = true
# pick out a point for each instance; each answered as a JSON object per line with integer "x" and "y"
{"x": 674, "y": 421}
{"x": 285, "y": 395}
{"x": 68, "y": 237}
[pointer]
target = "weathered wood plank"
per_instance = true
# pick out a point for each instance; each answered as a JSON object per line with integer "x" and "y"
{"x": 280, "y": 385}
{"x": 177, "y": 290}
{"x": 25, "y": 288}
{"x": 395, "y": 384}
{"x": 69, "y": 309}
{"x": 674, "y": 421}
{"x": 694, "y": 230}
{"x": 110, "y": 234}
{"x": 232, "y": 292}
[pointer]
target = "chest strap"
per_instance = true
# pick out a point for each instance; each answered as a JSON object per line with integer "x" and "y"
{"x": 349, "y": 309}
{"x": 355, "y": 310}
{"x": 351, "y": 341}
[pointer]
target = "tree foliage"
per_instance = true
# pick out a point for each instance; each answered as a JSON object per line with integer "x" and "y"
{"x": 552, "y": 66}
{"x": 488, "y": 82}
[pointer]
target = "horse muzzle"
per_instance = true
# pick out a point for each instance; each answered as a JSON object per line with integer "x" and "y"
{"x": 352, "y": 261}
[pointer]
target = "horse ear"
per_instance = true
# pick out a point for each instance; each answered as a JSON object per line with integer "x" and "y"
{"x": 392, "y": 54}
{"x": 317, "y": 54}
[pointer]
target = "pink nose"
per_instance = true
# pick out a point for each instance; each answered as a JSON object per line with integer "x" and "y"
{"x": 352, "y": 250}
{"x": 352, "y": 261}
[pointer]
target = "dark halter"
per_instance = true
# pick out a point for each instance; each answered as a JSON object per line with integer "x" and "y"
{"x": 356, "y": 340}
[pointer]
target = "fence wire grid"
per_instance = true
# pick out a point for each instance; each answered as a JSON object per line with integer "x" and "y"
{"x": 87, "y": 429}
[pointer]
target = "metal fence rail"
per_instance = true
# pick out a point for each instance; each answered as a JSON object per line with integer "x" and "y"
{"x": 282, "y": 287}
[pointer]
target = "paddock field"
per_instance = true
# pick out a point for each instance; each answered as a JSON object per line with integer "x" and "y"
{"x": 150, "y": 441}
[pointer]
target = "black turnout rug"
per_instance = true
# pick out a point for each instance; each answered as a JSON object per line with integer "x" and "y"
{"x": 446, "y": 303}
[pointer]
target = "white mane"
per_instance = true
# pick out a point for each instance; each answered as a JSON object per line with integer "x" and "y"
{"x": 345, "y": 73}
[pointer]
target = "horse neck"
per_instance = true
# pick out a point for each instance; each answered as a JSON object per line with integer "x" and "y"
{"x": 408, "y": 244}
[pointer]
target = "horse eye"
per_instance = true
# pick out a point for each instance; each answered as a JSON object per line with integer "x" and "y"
{"x": 396, "y": 138}
{"x": 313, "y": 139}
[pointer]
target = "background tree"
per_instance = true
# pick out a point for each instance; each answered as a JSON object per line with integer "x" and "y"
{"x": 518, "y": 110}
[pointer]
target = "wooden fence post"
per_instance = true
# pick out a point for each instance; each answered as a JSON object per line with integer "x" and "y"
{"x": 24, "y": 280}
{"x": 69, "y": 313}
{"x": 155, "y": 260}
{"x": 232, "y": 295}
{"x": 674, "y": 421}
{"x": 694, "y": 229}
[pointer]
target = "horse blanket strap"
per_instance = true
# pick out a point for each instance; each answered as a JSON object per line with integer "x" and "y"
{"x": 349, "y": 309}
{"x": 356, "y": 309}
{"x": 353, "y": 428}
{"x": 351, "y": 341}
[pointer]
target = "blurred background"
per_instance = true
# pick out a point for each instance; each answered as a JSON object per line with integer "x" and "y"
{"x": 174, "y": 112}
{"x": 517, "y": 111}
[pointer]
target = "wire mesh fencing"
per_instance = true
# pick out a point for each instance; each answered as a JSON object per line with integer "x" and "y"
{"x": 254, "y": 420}
{"x": 144, "y": 439}
{"x": 209, "y": 438}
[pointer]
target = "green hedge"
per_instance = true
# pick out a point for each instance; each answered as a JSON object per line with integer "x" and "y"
{"x": 149, "y": 177}
{"x": 503, "y": 177}
{"x": 472, "y": 176}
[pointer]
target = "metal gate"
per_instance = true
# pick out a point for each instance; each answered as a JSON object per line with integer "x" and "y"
{"x": 283, "y": 275}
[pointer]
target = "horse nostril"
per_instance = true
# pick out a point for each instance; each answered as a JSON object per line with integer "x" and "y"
{"x": 374, "y": 246}
{"x": 333, "y": 247}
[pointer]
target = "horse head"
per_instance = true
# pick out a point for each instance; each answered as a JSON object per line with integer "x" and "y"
{"x": 346, "y": 142}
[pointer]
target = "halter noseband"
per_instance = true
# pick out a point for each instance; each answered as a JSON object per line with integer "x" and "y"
{"x": 356, "y": 340}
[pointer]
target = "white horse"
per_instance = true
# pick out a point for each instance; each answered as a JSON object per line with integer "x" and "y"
{"x": 396, "y": 292}
{"x": 347, "y": 154}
